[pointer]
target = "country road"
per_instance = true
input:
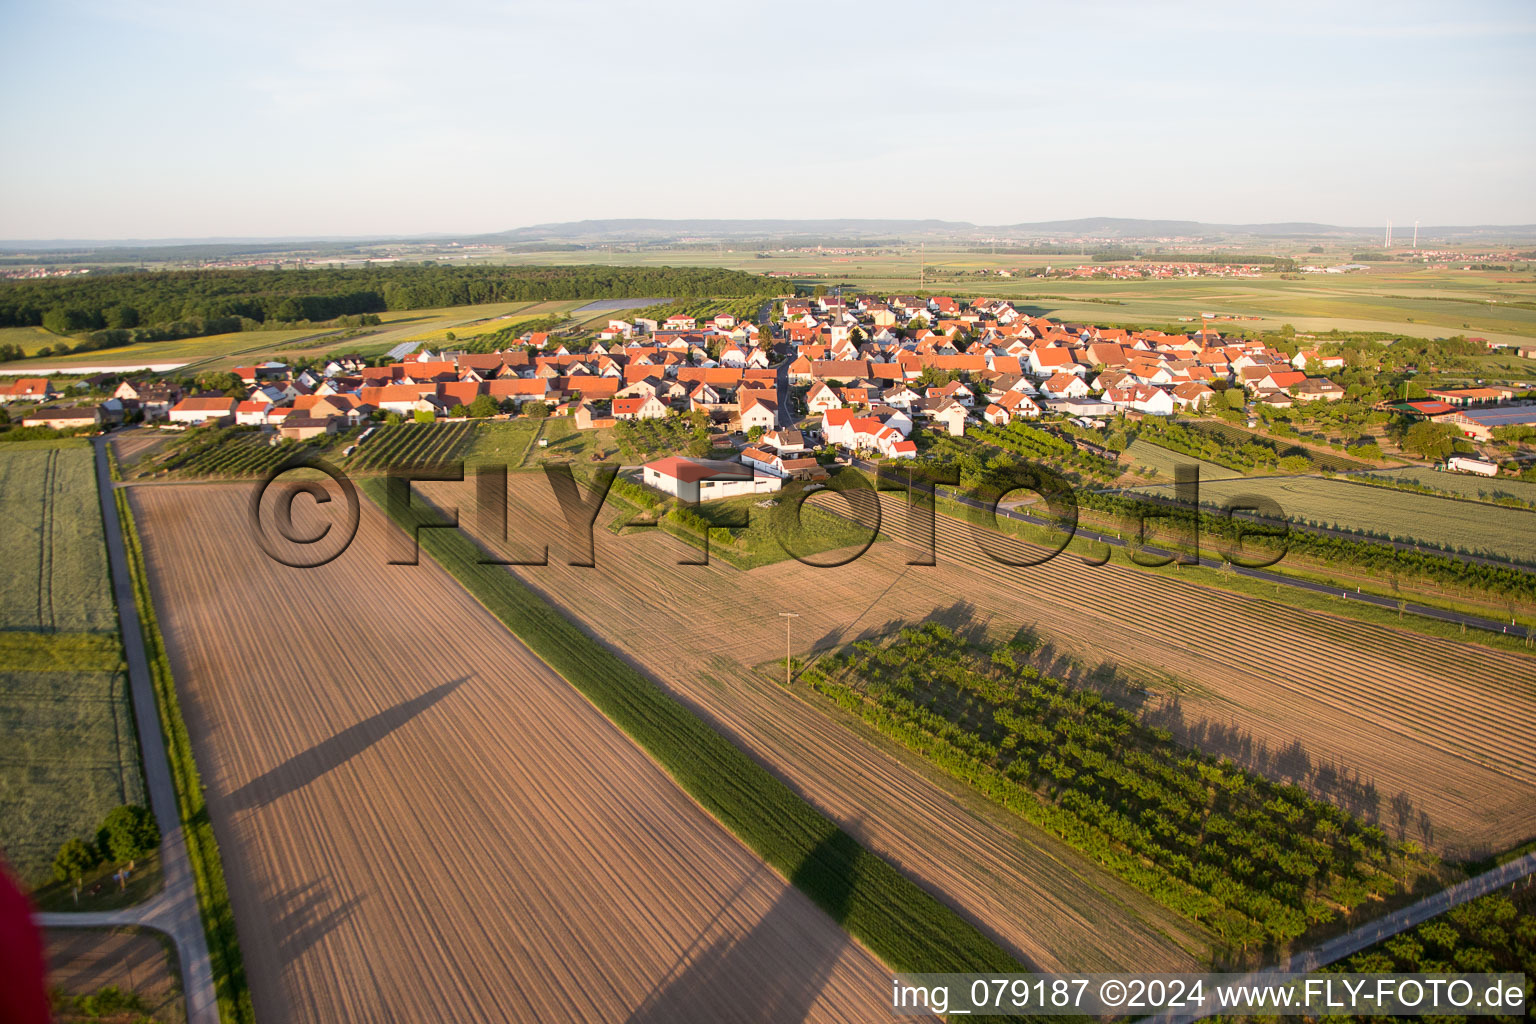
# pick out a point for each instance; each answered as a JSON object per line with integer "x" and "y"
{"x": 174, "y": 911}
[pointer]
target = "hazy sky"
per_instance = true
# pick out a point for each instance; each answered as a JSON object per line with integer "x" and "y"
{"x": 133, "y": 118}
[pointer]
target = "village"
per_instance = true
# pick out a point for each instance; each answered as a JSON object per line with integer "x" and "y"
{"x": 827, "y": 379}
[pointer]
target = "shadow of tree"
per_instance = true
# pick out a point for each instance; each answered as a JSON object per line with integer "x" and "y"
{"x": 710, "y": 981}
{"x": 303, "y": 768}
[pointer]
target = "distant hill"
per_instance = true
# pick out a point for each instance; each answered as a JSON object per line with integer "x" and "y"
{"x": 650, "y": 230}
{"x": 830, "y": 231}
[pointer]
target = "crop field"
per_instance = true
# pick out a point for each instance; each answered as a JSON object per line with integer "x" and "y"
{"x": 687, "y": 627}
{"x": 50, "y": 533}
{"x": 216, "y": 350}
{"x": 1144, "y": 455}
{"x": 83, "y": 961}
{"x": 29, "y": 339}
{"x": 448, "y": 830}
{"x": 1466, "y": 485}
{"x": 1495, "y": 531}
{"x": 70, "y": 754}
{"x": 1417, "y": 733}
{"x": 70, "y": 757}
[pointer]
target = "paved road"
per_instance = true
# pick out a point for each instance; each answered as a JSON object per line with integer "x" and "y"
{"x": 1427, "y": 611}
{"x": 174, "y": 911}
{"x": 1372, "y": 932}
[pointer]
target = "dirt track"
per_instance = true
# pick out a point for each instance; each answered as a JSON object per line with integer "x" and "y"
{"x": 1338, "y": 705}
{"x": 420, "y": 821}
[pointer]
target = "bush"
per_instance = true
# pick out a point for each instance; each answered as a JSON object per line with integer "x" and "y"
{"x": 73, "y": 860}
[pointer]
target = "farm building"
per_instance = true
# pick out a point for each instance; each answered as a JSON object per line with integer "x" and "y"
{"x": 1481, "y": 423}
{"x": 203, "y": 410}
{"x": 1464, "y": 397}
{"x": 695, "y": 480}
{"x": 64, "y": 418}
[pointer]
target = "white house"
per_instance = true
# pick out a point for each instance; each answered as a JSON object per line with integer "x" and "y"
{"x": 252, "y": 413}
{"x": 696, "y": 480}
{"x": 821, "y": 398}
{"x": 193, "y": 411}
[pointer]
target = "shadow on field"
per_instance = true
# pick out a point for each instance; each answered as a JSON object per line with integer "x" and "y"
{"x": 710, "y": 981}
{"x": 306, "y": 913}
{"x": 1328, "y": 779}
{"x": 302, "y": 769}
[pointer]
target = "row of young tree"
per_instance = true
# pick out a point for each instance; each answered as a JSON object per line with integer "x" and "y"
{"x": 220, "y": 298}
{"x": 1258, "y": 861}
{"x": 126, "y": 835}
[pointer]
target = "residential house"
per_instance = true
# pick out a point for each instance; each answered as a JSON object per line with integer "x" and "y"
{"x": 641, "y": 407}
{"x": 196, "y": 411}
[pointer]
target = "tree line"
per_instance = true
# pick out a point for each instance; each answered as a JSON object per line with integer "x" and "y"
{"x": 223, "y": 300}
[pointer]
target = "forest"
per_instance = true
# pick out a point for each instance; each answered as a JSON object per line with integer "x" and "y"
{"x": 151, "y": 306}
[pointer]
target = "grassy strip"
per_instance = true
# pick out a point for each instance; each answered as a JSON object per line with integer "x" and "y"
{"x": 234, "y": 998}
{"x": 899, "y": 922}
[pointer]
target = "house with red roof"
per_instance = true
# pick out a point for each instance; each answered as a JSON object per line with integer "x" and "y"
{"x": 644, "y": 407}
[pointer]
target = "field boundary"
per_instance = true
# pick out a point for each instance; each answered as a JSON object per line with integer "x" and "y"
{"x": 904, "y": 925}
{"x": 225, "y": 960}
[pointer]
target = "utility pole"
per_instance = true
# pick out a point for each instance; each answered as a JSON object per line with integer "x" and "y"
{"x": 787, "y": 616}
{"x": 922, "y": 264}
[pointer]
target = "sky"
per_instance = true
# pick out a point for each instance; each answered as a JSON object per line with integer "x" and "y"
{"x": 141, "y": 119}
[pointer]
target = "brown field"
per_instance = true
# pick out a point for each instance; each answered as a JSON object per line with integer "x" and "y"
{"x": 420, "y": 821}
{"x": 82, "y": 961}
{"x": 1430, "y": 737}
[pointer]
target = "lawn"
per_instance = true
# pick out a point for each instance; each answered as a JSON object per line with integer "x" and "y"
{"x": 502, "y": 442}
{"x": 745, "y": 532}
{"x": 1453, "y": 525}
{"x": 51, "y": 537}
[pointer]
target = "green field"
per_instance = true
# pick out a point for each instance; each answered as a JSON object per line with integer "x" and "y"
{"x": 50, "y": 533}
{"x": 1464, "y": 485}
{"x": 1144, "y": 454}
{"x": 70, "y": 757}
{"x": 1494, "y": 531}
{"x": 217, "y": 351}
{"x": 70, "y": 753}
{"x": 222, "y": 351}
